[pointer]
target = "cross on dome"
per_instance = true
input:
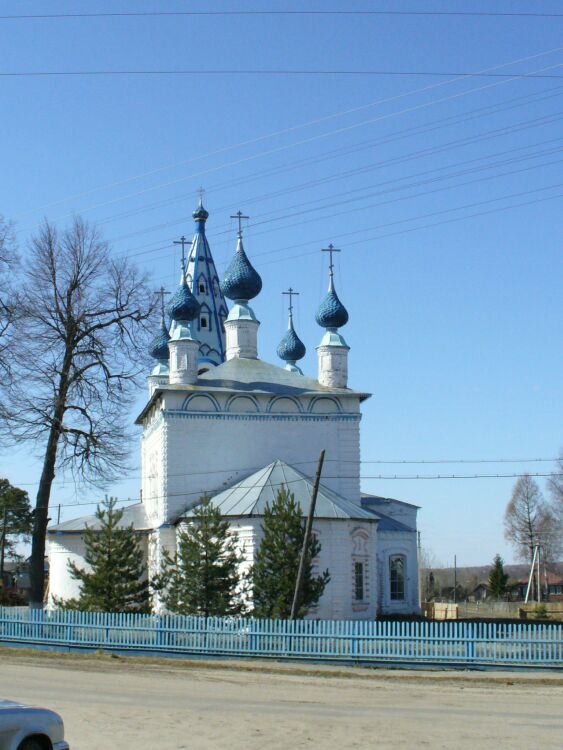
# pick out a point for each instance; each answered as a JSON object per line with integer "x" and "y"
{"x": 240, "y": 216}
{"x": 291, "y": 293}
{"x": 331, "y": 313}
{"x": 182, "y": 241}
{"x": 291, "y": 348}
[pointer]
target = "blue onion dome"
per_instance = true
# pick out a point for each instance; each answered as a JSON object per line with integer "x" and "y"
{"x": 241, "y": 280}
{"x": 200, "y": 214}
{"x": 291, "y": 348}
{"x": 331, "y": 312}
{"x": 183, "y": 305}
{"x": 158, "y": 347}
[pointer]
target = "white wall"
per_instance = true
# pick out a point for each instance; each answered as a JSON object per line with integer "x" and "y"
{"x": 398, "y": 543}
{"x": 61, "y": 549}
{"x": 205, "y": 451}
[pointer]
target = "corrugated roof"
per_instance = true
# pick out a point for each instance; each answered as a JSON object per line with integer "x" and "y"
{"x": 132, "y": 514}
{"x": 250, "y": 496}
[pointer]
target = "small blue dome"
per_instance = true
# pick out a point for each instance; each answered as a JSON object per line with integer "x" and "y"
{"x": 331, "y": 312}
{"x": 200, "y": 214}
{"x": 291, "y": 348}
{"x": 183, "y": 305}
{"x": 241, "y": 280}
{"x": 158, "y": 347}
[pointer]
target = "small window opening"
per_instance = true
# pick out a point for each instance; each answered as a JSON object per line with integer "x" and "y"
{"x": 359, "y": 581}
{"x": 204, "y": 323}
{"x": 202, "y": 288}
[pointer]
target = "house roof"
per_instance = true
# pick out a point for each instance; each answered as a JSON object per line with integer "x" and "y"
{"x": 132, "y": 514}
{"x": 250, "y": 496}
{"x": 366, "y": 499}
{"x": 553, "y": 579}
{"x": 386, "y": 523}
{"x": 240, "y": 375}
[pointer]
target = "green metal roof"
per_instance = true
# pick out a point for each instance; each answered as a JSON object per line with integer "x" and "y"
{"x": 250, "y": 496}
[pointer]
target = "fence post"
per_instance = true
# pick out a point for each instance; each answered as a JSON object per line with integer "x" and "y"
{"x": 470, "y": 636}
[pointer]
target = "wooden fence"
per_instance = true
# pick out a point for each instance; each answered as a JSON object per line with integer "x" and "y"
{"x": 448, "y": 643}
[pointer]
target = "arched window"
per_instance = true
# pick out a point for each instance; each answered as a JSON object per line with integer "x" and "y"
{"x": 397, "y": 570}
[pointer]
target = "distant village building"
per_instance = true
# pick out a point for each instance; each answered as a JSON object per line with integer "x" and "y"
{"x": 220, "y": 420}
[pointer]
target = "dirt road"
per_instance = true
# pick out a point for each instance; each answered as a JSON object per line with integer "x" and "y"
{"x": 117, "y": 703}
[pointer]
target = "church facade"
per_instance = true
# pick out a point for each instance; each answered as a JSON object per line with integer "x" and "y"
{"x": 220, "y": 421}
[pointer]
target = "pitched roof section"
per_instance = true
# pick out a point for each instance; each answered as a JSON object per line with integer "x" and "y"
{"x": 132, "y": 514}
{"x": 256, "y": 375}
{"x": 250, "y": 496}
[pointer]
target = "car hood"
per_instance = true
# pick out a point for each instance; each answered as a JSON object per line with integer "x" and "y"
{"x": 11, "y": 704}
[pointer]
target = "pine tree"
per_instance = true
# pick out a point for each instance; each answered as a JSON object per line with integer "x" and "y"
{"x": 117, "y": 581}
{"x": 203, "y": 577}
{"x": 497, "y": 578}
{"x": 16, "y": 519}
{"x": 276, "y": 562}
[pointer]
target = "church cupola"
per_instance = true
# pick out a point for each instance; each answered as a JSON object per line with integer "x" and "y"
{"x": 333, "y": 350}
{"x": 241, "y": 283}
{"x": 291, "y": 348}
{"x": 158, "y": 349}
{"x": 200, "y": 216}
{"x": 203, "y": 281}
{"x": 182, "y": 309}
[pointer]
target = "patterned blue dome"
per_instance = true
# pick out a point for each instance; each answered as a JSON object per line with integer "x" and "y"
{"x": 200, "y": 214}
{"x": 291, "y": 348}
{"x": 183, "y": 305}
{"x": 158, "y": 347}
{"x": 331, "y": 312}
{"x": 241, "y": 280}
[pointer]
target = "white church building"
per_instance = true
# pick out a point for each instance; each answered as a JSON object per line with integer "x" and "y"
{"x": 223, "y": 422}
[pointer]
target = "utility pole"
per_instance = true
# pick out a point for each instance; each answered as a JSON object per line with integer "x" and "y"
{"x": 455, "y": 579}
{"x": 306, "y": 538}
{"x": 3, "y": 543}
{"x": 538, "y": 583}
{"x": 531, "y": 578}
{"x": 419, "y": 555}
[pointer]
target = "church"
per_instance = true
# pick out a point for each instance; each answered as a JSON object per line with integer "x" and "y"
{"x": 222, "y": 422}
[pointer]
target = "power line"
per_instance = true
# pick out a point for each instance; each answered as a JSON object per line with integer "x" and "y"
{"x": 264, "y": 72}
{"x": 311, "y": 123}
{"x": 325, "y": 477}
{"x": 360, "y": 13}
{"x": 301, "y": 142}
{"x": 466, "y": 141}
{"x": 252, "y": 469}
{"x": 334, "y": 153}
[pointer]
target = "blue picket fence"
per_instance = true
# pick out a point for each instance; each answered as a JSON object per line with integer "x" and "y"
{"x": 449, "y": 643}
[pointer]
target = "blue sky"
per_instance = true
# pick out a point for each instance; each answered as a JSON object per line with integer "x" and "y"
{"x": 444, "y": 194}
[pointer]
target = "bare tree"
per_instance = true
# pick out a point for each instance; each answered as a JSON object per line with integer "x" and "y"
{"x": 81, "y": 329}
{"x": 555, "y": 485}
{"x": 8, "y": 260}
{"x": 528, "y": 521}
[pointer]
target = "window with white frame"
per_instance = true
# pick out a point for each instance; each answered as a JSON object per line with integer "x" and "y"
{"x": 397, "y": 569}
